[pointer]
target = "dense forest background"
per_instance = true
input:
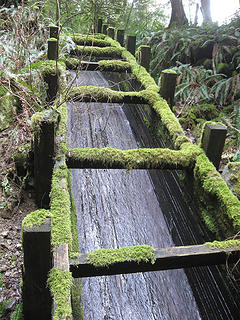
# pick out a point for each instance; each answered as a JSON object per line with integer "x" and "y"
{"x": 205, "y": 56}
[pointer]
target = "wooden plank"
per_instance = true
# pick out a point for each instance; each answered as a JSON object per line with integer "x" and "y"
{"x": 37, "y": 264}
{"x": 167, "y": 258}
{"x": 111, "y": 158}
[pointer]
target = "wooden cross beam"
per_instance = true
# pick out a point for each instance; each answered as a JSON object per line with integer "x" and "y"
{"x": 167, "y": 258}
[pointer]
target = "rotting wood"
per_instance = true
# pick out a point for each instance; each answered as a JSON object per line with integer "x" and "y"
{"x": 213, "y": 140}
{"x": 44, "y": 153}
{"x": 120, "y": 36}
{"x": 167, "y": 86}
{"x": 167, "y": 258}
{"x": 145, "y": 57}
{"x": 99, "y": 26}
{"x": 111, "y": 32}
{"x": 131, "y": 44}
{"x": 104, "y": 28}
{"x": 37, "y": 264}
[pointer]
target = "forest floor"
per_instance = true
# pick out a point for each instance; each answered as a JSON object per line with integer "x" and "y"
{"x": 15, "y": 204}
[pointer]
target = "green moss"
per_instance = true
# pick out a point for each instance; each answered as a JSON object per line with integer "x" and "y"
{"x": 47, "y": 115}
{"x": 224, "y": 245}
{"x": 86, "y": 40}
{"x": 110, "y": 52}
{"x": 60, "y": 283}
{"x": 36, "y": 218}
{"x": 169, "y": 71}
{"x": 106, "y": 257}
{"x": 92, "y": 93}
{"x": 8, "y": 109}
{"x": 51, "y": 68}
{"x": 215, "y": 187}
{"x": 60, "y": 208}
{"x": 75, "y": 244}
{"x": 88, "y": 36}
{"x": 138, "y": 158}
{"x": 52, "y": 40}
{"x": 114, "y": 65}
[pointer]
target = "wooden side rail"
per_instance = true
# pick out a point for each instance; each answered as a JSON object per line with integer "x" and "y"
{"x": 165, "y": 259}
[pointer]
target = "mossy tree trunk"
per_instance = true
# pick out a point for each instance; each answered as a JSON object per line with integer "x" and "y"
{"x": 206, "y": 11}
{"x": 178, "y": 16}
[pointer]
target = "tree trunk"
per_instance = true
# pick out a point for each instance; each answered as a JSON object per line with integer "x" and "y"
{"x": 178, "y": 16}
{"x": 206, "y": 11}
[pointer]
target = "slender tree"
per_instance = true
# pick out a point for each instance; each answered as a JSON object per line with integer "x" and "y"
{"x": 206, "y": 11}
{"x": 178, "y": 16}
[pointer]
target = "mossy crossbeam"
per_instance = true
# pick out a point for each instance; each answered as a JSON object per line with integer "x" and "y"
{"x": 164, "y": 259}
{"x": 111, "y": 158}
{"x": 104, "y": 95}
{"x": 103, "y": 65}
{"x": 105, "y": 52}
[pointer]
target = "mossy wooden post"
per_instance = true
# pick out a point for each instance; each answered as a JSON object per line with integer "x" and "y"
{"x": 44, "y": 153}
{"x": 53, "y": 31}
{"x": 52, "y": 53}
{"x": 213, "y": 139}
{"x": 167, "y": 84}
{"x": 111, "y": 32}
{"x": 104, "y": 28}
{"x": 120, "y": 36}
{"x": 37, "y": 302}
{"x": 145, "y": 57}
{"x": 131, "y": 44}
{"x": 99, "y": 26}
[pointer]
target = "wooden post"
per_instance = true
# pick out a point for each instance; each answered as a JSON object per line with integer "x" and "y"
{"x": 120, "y": 37}
{"x": 131, "y": 44}
{"x": 53, "y": 31}
{"x": 99, "y": 26}
{"x": 104, "y": 28}
{"x": 111, "y": 32}
{"x": 167, "y": 84}
{"x": 52, "y": 53}
{"x": 212, "y": 142}
{"x": 44, "y": 153}
{"x": 145, "y": 57}
{"x": 37, "y": 302}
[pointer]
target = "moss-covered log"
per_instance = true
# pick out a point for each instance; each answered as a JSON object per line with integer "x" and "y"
{"x": 103, "y": 65}
{"x": 145, "y": 258}
{"x": 104, "y": 95}
{"x": 90, "y": 41}
{"x": 222, "y": 214}
{"x": 111, "y": 158}
{"x": 110, "y": 52}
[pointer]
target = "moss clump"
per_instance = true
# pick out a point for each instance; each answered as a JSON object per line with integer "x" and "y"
{"x": 110, "y": 52}
{"x": 86, "y": 40}
{"x": 60, "y": 208}
{"x": 8, "y": 108}
{"x": 137, "y": 158}
{"x": 36, "y": 218}
{"x": 92, "y": 93}
{"x": 51, "y": 40}
{"x": 88, "y": 36}
{"x": 60, "y": 283}
{"x": 106, "y": 257}
{"x": 216, "y": 189}
{"x": 169, "y": 71}
{"x": 114, "y": 65}
{"x": 51, "y": 68}
{"x": 224, "y": 245}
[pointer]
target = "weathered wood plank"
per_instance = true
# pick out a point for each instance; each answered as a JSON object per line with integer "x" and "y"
{"x": 37, "y": 264}
{"x": 167, "y": 258}
{"x": 111, "y": 158}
